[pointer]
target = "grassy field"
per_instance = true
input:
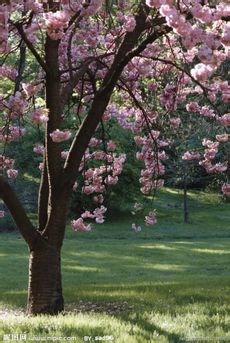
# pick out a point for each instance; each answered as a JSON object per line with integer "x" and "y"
{"x": 169, "y": 283}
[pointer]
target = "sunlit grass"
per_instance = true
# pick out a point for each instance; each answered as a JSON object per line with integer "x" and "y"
{"x": 169, "y": 283}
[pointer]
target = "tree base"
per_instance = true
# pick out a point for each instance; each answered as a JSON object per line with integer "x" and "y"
{"x": 45, "y": 289}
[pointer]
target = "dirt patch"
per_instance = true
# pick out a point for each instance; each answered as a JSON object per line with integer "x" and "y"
{"x": 92, "y": 307}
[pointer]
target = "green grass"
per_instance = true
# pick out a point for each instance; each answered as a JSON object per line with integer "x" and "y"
{"x": 169, "y": 283}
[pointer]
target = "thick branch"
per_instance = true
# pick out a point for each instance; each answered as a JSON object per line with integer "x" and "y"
{"x": 21, "y": 66}
{"x": 30, "y": 46}
{"x": 43, "y": 198}
{"x": 53, "y": 152}
{"x": 18, "y": 212}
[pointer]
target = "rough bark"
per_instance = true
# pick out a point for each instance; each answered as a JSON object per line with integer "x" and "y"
{"x": 45, "y": 286}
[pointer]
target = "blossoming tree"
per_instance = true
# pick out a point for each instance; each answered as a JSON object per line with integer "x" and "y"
{"x": 100, "y": 61}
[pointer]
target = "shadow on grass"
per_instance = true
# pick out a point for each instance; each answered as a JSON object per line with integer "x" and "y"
{"x": 151, "y": 329}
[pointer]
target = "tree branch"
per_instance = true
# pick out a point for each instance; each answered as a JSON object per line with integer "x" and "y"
{"x": 30, "y": 45}
{"x": 18, "y": 212}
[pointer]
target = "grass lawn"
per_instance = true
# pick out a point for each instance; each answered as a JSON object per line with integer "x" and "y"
{"x": 169, "y": 283}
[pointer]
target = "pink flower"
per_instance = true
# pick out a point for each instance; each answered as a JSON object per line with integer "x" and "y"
{"x": 40, "y": 116}
{"x": 130, "y": 23}
{"x": 189, "y": 156}
{"x": 94, "y": 142}
{"x": 56, "y": 22}
{"x": 225, "y": 38}
{"x": 12, "y": 174}
{"x": 155, "y": 3}
{"x": 60, "y": 136}
{"x": 110, "y": 180}
{"x": 39, "y": 149}
{"x": 222, "y": 138}
{"x": 78, "y": 225}
{"x": 224, "y": 120}
{"x": 99, "y": 214}
{"x": 88, "y": 189}
{"x": 111, "y": 146}
{"x": 150, "y": 219}
{"x": 210, "y": 153}
{"x": 2, "y": 214}
{"x": 202, "y": 71}
{"x": 226, "y": 189}
{"x": 207, "y": 112}
{"x": 193, "y": 107}
{"x": 210, "y": 144}
{"x": 87, "y": 214}
{"x": 175, "y": 122}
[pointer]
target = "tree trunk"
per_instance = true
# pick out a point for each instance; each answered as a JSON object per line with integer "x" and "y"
{"x": 185, "y": 207}
{"x": 45, "y": 287}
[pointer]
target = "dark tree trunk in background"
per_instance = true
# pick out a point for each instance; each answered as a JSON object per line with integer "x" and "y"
{"x": 185, "y": 203}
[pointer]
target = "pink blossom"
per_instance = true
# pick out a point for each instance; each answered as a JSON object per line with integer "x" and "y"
{"x": 193, "y": 107}
{"x": 94, "y": 142}
{"x": 111, "y": 146}
{"x": 110, "y": 180}
{"x": 130, "y": 23}
{"x": 99, "y": 214}
{"x": 202, "y": 71}
{"x": 207, "y": 112}
{"x": 39, "y": 149}
{"x": 222, "y": 138}
{"x": 93, "y": 7}
{"x": 225, "y": 38}
{"x": 150, "y": 219}
{"x": 210, "y": 153}
{"x": 210, "y": 144}
{"x": 2, "y": 214}
{"x": 56, "y": 22}
{"x": 189, "y": 156}
{"x": 99, "y": 155}
{"x": 226, "y": 189}
{"x": 175, "y": 122}
{"x": 12, "y": 173}
{"x": 226, "y": 95}
{"x": 6, "y": 163}
{"x": 40, "y": 116}
{"x": 30, "y": 89}
{"x": 88, "y": 189}
{"x": 79, "y": 225}
{"x": 60, "y": 136}
{"x": 87, "y": 214}
{"x": 224, "y": 120}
